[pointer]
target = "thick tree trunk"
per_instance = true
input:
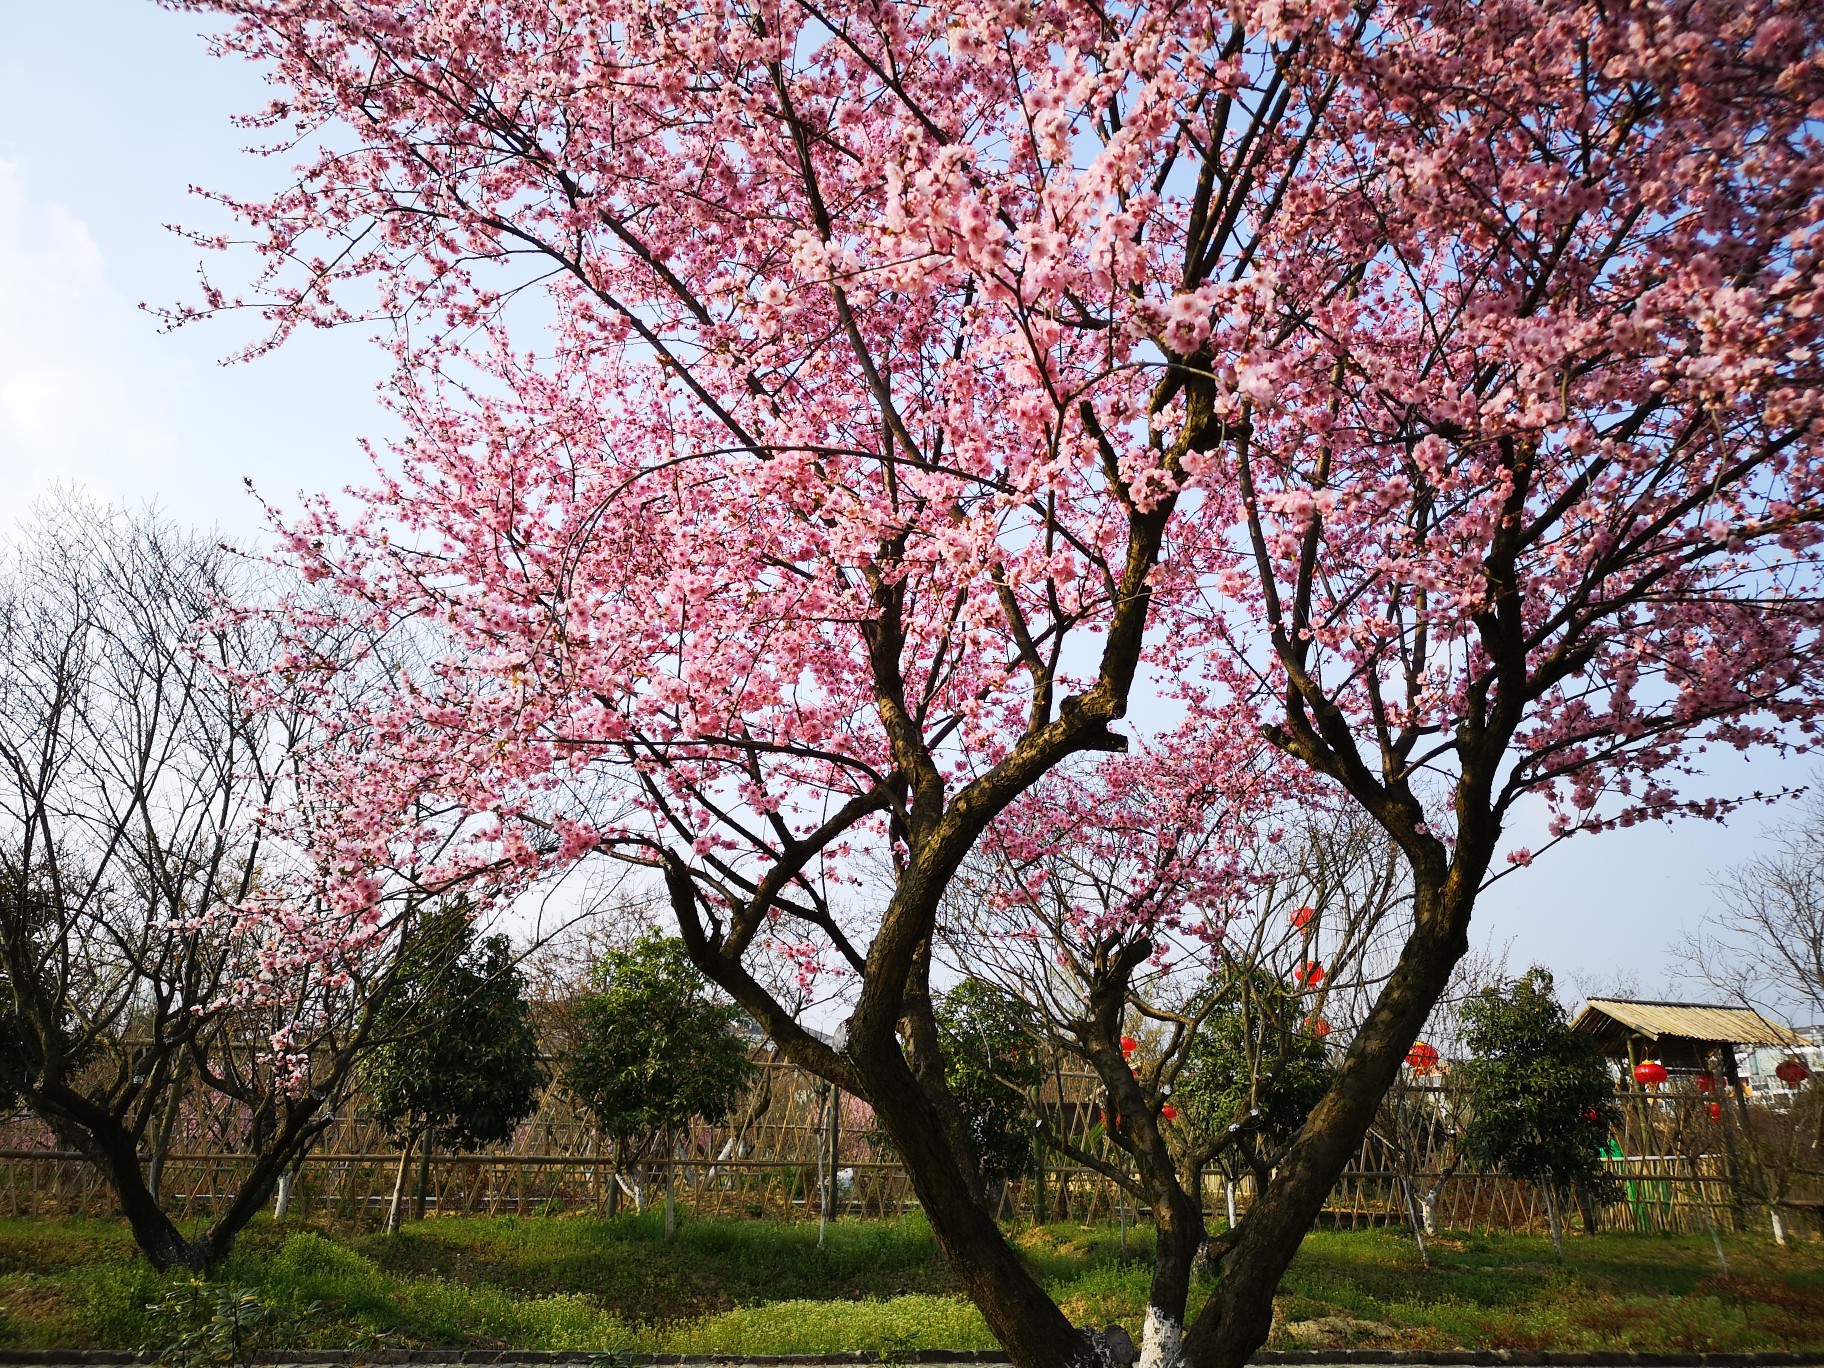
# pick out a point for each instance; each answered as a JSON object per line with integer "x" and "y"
{"x": 873, "y": 1065}
{"x": 113, "y": 1149}
{"x": 1239, "y": 1314}
{"x": 1020, "y": 1314}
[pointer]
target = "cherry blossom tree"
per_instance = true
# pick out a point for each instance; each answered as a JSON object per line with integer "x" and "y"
{"x": 1429, "y": 389}
{"x": 1192, "y": 932}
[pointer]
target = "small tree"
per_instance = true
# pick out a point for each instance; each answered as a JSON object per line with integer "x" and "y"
{"x": 1167, "y": 890}
{"x": 458, "y": 1063}
{"x": 651, "y": 1050}
{"x": 1542, "y": 1100}
{"x": 1256, "y": 1064}
{"x": 167, "y": 949}
{"x": 992, "y": 1058}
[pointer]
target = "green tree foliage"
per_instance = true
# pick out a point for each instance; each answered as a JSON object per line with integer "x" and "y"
{"x": 650, "y": 1048}
{"x": 458, "y": 1057}
{"x": 1542, "y": 1101}
{"x": 1253, "y": 1065}
{"x": 14, "y": 1053}
{"x": 992, "y": 1058}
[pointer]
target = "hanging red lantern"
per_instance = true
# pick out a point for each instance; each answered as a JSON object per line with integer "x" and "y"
{"x": 1589, "y": 1113}
{"x": 1716, "y": 1111}
{"x": 1169, "y": 1112}
{"x": 1791, "y": 1072}
{"x": 1706, "y": 1083}
{"x": 1650, "y": 1072}
{"x": 1129, "y": 1045}
{"x": 1309, "y": 974}
{"x": 1317, "y": 1026}
{"x": 1422, "y": 1057}
{"x": 1302, "y": 918}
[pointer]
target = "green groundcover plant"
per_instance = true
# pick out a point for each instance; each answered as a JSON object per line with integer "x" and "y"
{"x": 762, "y": 1287}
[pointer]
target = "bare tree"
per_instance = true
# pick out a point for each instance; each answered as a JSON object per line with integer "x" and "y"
{"x": 136, "y": 786}
{"x": 1764, "y": 944}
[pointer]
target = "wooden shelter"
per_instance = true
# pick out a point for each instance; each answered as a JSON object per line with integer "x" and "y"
{"x": 1684, "y": 1036}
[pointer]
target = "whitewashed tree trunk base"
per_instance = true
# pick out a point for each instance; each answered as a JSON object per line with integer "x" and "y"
{"x": 1161, "y": 1341}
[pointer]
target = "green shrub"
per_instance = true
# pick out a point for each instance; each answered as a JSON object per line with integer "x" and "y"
{"x": 200, "y": 1323}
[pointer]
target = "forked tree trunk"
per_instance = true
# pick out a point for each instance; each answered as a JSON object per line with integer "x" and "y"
{"x": 113, "y": 1149}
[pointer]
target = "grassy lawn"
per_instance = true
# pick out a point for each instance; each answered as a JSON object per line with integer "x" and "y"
{"x": 754, "y": 1287}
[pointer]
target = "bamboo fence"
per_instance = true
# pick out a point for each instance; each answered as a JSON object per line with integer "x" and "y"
{"x": 773, "y": 1158}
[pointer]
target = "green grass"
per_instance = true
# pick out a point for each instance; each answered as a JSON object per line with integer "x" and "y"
{"x": 758, "y": 1287}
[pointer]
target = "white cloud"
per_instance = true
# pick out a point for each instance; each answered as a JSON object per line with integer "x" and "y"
{"x": 85, "y": 388}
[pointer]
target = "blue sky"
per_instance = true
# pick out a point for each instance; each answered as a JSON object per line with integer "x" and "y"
{"x": 109, "y": 109}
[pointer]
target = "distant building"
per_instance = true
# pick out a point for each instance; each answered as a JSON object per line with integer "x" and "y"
{"x": 1758, "y": 1064}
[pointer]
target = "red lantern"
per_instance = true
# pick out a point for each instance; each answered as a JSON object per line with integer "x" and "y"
{"x": 1129, "y": 1045}
{"x": 1169, "y": 1112}
{"x": 1792, "y": 1072}
{"x": 1422, "y": 1057}
{"x": 1302, "y": 918}
{"x": 1649, "y": 1071}
{"x": 1589, "y": 1114}
{"x": 1318, "y": 1026}
{"x": 1310, "y": 974}
{"x": 1716, "y": 1111}
{"x": 1705, "y": 1082}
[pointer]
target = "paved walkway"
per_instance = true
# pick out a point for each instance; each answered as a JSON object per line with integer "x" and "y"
{"x": 1381, "y": 1358}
